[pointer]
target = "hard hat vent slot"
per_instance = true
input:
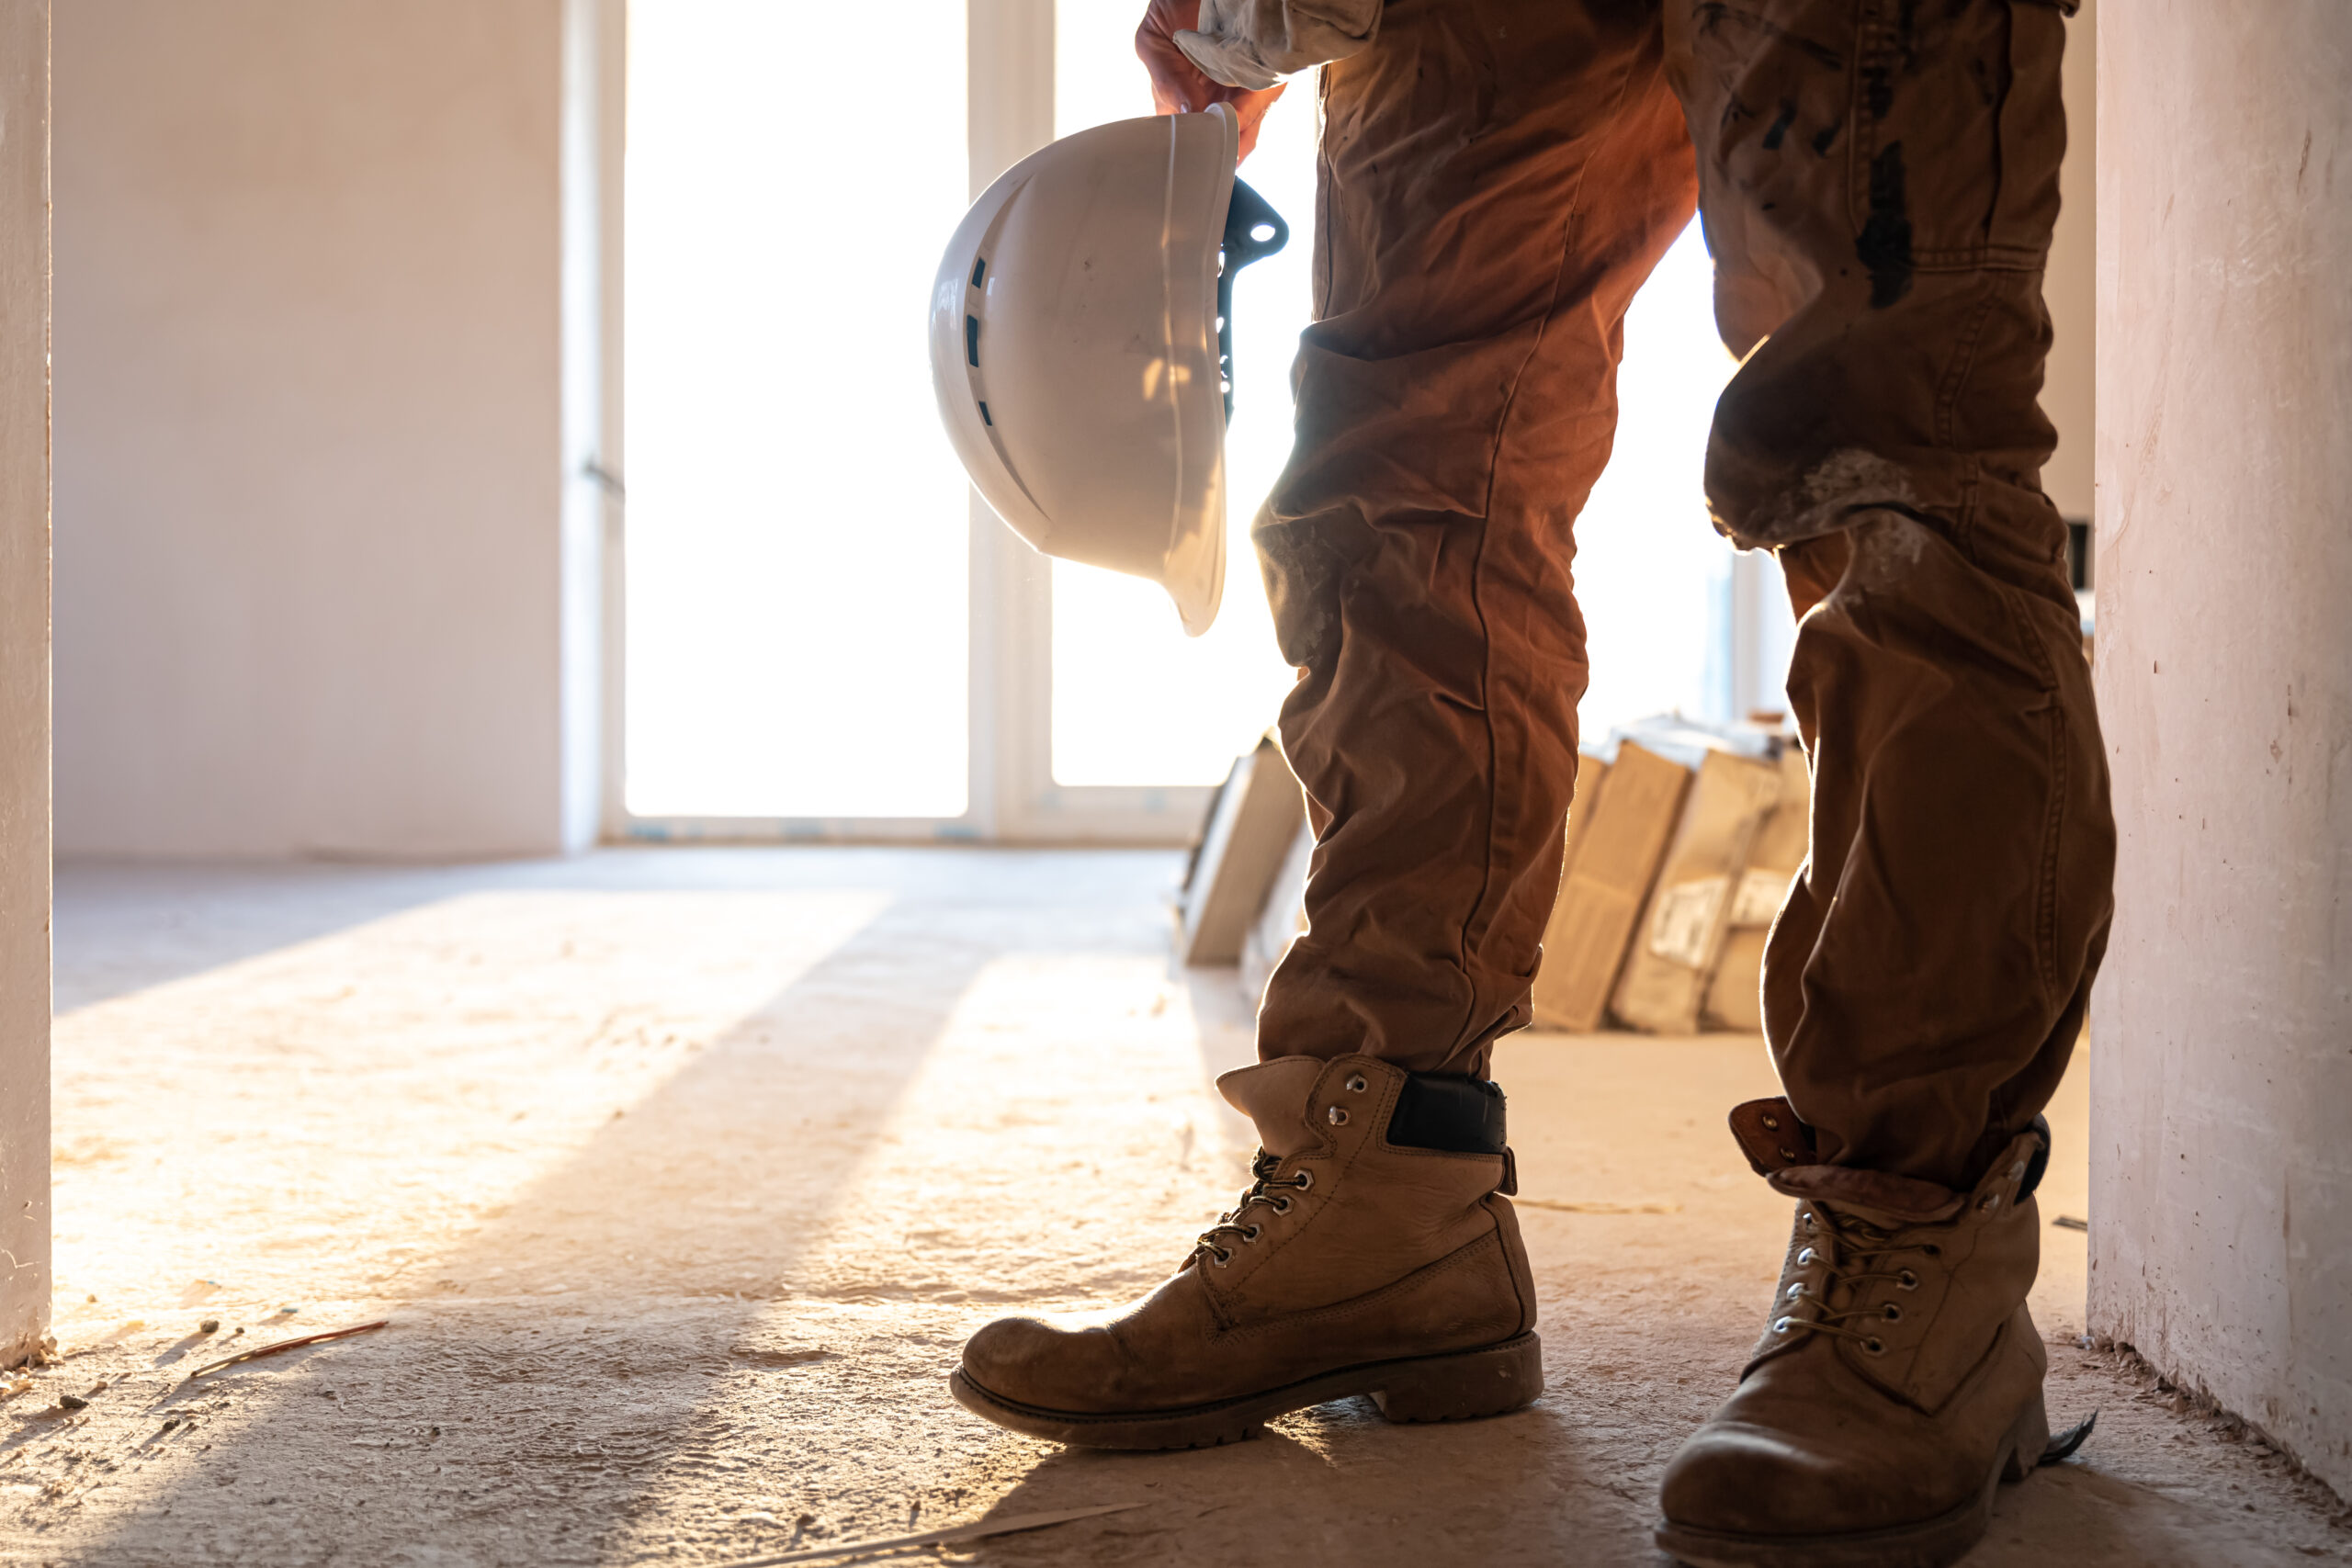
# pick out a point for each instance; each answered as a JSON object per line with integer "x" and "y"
{"x": 972, "y": 341}
{"x": 980, "y": 270}
{"x": 984, "y": 415}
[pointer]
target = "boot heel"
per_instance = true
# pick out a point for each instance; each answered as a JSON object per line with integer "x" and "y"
{"x": 2028, "y": 1440}
{"x": 1464, "y": 1386}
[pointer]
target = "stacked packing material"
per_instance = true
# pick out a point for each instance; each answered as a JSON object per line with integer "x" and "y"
{"x": 1624, "y": 813}
{"x": 1283, "y": 917}
{"x": 1251, "y": 823}
{"x": 1735, "y": 784}
{"x": 1734, "y": 996}
{"x": 1245, "y": 893}
{"x": 1678, "y": 850}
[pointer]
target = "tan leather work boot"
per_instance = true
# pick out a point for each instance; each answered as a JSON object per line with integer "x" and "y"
{"x": 1372, "y": 1254}
{"x": 1899, "y": 1377}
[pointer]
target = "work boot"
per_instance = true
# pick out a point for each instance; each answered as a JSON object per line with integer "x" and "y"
{"x": 1373, "y": 1253}
{"x": 1899, "y": 1379}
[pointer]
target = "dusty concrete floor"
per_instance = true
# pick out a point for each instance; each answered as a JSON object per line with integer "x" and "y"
{"x": 682, "y": 1174}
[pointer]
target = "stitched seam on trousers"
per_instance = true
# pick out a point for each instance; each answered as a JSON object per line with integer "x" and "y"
{"x": 2045, "y": 913}
{"x": 2001, "y": 108}
{"x": 1861, "y": 145}
{"x": 1471, "y": 1023}
{"x": 1974, "y": 258}
{"x": 1963, "y": 363}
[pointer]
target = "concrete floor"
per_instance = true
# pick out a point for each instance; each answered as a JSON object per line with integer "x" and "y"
{"x": 683, "y": 1173}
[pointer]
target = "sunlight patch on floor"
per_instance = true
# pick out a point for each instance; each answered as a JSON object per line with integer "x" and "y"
{"x": 334, "y": 1114}
{"x": 1065, "y": 1114}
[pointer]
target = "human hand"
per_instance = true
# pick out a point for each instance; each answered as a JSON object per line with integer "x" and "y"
{"x": 1179, "y": 86}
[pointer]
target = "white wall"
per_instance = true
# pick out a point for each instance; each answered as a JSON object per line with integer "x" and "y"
{"x": 313, "y": 566}
{"x": 2221, "y": 1033}
{"x": 24, "y": 676}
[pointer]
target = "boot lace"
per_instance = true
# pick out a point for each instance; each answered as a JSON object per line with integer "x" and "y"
{"x": 1862, "y": 1249}
{"x": 1236, "y": 1223}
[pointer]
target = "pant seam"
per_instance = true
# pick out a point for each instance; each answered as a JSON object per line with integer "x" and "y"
{"x": 2020, "y": 615}
{"x": 1862, "y": 142}
{"x": 1963, "y": 364}
{"x": 1472, "y": 1025}
{"x": 2047, "y": 915}
{"x": 1979, "y": 258}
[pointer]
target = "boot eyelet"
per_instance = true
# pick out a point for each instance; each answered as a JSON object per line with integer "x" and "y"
{"x": 1789, "y": 1155}
{"x": 1809, "y": 1224}
{"x": 1908, "y": 1280}
{"x": 1805, "y": 1258}
{"x": 1357, "y": 1085}
{"x": 1990, "y": 1201}
{"x": 1220, "y": 1258}
{"x": 1893, "y": 1314}
{"x": 1772, "y": 1123}
{"x": 1255, "y": 1231}
{"x": 1280, "y": 1205}
{"x": 1338, "y": 1117}
{"x": 1874, "y": 1347}
{"x": 1783, "y": 1324}
{"x": 1796, "y": 1290}
{"x": 1306, "y": 1181}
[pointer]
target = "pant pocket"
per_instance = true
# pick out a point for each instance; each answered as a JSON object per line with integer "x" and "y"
{"x": 1958, "y": 136}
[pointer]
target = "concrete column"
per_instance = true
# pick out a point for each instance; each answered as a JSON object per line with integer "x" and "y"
{"x": 2221, "y": 1033}
{"x": 24, "y": 677}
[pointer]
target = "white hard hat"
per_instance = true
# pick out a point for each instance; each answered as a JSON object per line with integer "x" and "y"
{"x": 1081, "y": 349}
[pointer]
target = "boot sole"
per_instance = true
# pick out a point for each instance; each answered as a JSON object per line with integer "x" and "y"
{"x": 1931, "y": 1543}
{"x": 1460, "y": 1386}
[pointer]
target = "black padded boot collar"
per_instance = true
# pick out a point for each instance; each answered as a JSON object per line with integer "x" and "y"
{"x": 1449, "y": 1111}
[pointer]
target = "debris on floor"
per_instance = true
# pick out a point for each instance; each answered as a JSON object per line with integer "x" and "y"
{"x": 258, "y": 1351}
{"x": 1010, "y": 1524}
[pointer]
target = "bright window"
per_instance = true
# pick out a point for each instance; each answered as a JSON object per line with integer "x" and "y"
{"x": 1653, "y": 577}
{"x": 797, "y": 551}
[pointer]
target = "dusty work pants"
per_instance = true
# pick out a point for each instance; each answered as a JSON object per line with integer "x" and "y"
{"x": 1878, "y": 180}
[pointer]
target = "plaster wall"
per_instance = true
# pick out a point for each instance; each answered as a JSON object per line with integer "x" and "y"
{"x": 24, "y": 677}
{"x": 314, "y": 563}
{"x": 2221, "y": 1033}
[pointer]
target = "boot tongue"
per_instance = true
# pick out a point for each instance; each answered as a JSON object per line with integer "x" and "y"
{"x": 1274, "y": 1094}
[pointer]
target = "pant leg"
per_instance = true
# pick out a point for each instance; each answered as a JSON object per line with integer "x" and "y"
{"x": 1879, "y": 180}
{"x": 1497, "y": 176}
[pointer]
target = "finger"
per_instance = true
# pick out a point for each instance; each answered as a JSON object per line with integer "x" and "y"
{"x": 1177, "y": 85}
